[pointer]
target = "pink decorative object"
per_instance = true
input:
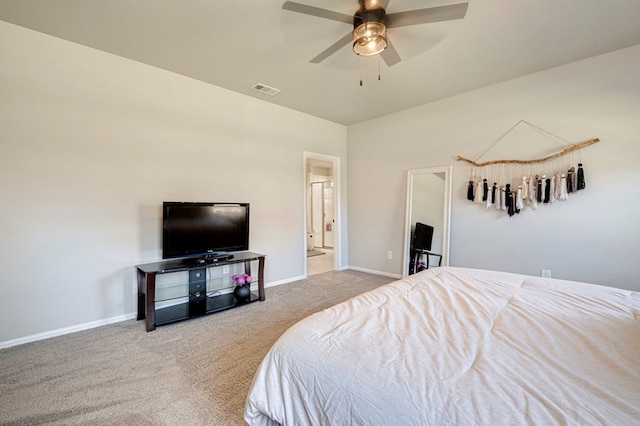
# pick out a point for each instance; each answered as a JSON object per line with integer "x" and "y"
{"x": 242, "y": 279}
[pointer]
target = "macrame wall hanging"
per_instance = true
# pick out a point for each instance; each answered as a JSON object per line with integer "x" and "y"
{"x": 511, "y": 186}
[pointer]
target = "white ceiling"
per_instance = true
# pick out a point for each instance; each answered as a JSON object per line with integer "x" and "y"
{"x": 237, "y": 43}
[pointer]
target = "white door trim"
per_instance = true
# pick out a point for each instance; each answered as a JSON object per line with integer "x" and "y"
{"x": 337, "y": 193}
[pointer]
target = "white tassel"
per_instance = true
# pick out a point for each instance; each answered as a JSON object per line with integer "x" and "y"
{"x": 498, "y": 201}
{"x": 563, "y": 188}
{"x": 532, "y": 191}
{"x": 519, "y": 201}
{"x": 544, "y": 191}
{"x": 558, "y": 186}
{"x": 552, "y": 190}
{"x": 478, "y": 195}
{"x": 489, "y": 198}
{"x": 534, "y": 199}
{"x": 525, "y": 188}
{"x": 503, "y": 198}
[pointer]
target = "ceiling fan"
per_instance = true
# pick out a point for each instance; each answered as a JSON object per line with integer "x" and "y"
{"x": 370, "y": 23}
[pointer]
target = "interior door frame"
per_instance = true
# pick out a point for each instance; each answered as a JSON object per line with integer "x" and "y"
{"x": 337, "y": 210}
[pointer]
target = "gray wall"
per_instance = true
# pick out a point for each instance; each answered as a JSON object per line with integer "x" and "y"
{"x": 593, "y": 237}
{"x": 90, "y": 146}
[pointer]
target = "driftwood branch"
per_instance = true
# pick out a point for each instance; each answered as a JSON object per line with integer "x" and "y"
{"x": 537, "y": 160}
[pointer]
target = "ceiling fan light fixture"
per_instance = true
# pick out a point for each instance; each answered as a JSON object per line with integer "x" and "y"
{"x": 370, "y": 38}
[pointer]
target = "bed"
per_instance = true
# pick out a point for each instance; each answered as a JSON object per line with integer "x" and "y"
{"x": 455, "y": 346}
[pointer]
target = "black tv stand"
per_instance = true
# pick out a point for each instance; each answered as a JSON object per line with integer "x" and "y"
{"x": 209, "y": 259}
{"x": 199, "y": 295}
{"x": 218, "y": 257}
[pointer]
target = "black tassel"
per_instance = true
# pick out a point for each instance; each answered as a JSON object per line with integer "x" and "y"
{"x": 539, "y": 189}
{"x": 470, "y": 191}
{"x": 509, "y": 202}
{"x": 485, "y": 190}
{"x": 494, "y": 189}
{"x": 547, "y": 190}
{"x": 570, "y": 179}
{"x": 581, "y": 182}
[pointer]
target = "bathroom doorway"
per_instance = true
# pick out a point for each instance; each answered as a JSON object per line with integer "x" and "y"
{"x": 322, "y": 226}
{"x": 321, "y": 213}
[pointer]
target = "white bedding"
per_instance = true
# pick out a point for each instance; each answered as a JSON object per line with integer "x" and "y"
{"x": 454, "y": 346}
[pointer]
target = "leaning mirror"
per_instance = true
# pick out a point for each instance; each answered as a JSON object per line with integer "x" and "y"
{"x": 429, "y": 206}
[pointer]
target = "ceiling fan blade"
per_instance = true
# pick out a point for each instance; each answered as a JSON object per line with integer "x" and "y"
{"x": 333, "y": 48}
{"x": 390, "y": 55}
{"x": 316, "y": 11}
{"x": 425, "y": 16}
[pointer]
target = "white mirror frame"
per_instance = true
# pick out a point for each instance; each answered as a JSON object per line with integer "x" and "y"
{"x": 447, "y": 170}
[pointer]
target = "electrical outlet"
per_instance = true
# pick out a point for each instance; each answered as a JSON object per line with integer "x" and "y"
{"x": 389, "y": 254}
{"x": 545, "y": 273}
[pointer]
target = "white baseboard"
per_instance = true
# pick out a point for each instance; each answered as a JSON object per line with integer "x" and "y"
{"x": 285, "y": 281}
{"x": 126, "y": 317}
{"x": 65, "y": 330}
{"x": 100, "y": 323}
{"x": 373, "y": 271}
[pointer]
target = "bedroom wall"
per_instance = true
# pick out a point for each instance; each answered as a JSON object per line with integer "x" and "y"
{"x": 593, "y": 237}
{"x": 90, "y": 146}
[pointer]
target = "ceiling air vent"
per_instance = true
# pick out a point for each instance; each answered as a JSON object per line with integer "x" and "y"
{"x": 267, "y": 90}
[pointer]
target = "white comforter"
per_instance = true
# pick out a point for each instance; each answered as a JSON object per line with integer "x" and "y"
{"x": 453, "y": 346}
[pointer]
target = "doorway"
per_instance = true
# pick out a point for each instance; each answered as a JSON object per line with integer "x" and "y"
{"x": 321, "y": 213}
{"x": 321, "y": 210}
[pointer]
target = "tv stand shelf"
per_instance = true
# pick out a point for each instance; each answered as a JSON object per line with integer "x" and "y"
{"x": 199, "y": 296}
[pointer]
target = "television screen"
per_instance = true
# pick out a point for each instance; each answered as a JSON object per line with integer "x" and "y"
{"x": 191, "y": 229}
{"x": 422, "y": 237}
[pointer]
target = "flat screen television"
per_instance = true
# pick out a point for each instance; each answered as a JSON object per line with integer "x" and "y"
{"x": 204, "y": 229}
{"x": 422, "y": 237}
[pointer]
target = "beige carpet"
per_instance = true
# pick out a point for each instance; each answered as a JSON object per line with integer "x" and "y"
{"x": 196, "y": 372}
